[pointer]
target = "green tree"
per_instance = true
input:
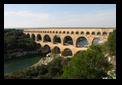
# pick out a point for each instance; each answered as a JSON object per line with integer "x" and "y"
{"x": 111, "y": 43}
{"x": 88, "y": 64}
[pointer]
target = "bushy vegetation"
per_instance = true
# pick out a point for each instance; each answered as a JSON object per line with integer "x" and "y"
{"x": 91, "y": 64}
{"x": 17, "y": 41}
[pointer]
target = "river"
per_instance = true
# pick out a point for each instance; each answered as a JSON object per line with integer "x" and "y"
{"x": 17, "y": 64}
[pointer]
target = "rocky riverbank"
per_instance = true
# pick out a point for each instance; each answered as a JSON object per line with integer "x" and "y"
{"x": 47, "y": 59}
{"x": 21, "y": 54}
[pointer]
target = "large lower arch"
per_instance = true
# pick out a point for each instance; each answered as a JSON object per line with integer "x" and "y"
{"x": 46, "y": 49}
{"x": 47, "y": 38}
{"x": 78, "y": 52}
{"x": 56, "y": 50}
{"x": 39, "y": 37}
{"x": 56, "y": 39}
{"x": 81, "y": 42}
{"x": 33, "y": 37}
{"x": 96, "y": 41}
{"x": 68, "y": 40}
{"x": 67, "y": 52}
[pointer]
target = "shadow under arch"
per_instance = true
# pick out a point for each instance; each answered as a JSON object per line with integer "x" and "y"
{"x": 67, "y": 52}
{"x": 39, "y": 37}
{"x": 33, "y": 37}
{"x": 46, "y": 38}
{"x": 46, "y": 49}
{"x": 56, "y": 39}
{"x": 56, "y": 50}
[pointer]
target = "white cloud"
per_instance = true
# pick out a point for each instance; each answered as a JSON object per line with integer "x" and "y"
{"x": 24, "y": 19}
{"x": 28, "y": 19}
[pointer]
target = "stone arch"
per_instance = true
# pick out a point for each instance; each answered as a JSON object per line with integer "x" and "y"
{"x": 56, "y": 50}
{"x": 28, "y": 35}
{"x": 104, "y": 33}
{"x": 93, "y": 33}
{"x": 98, "y": 33}
{"x": 110, "y": 33}
{"x": 60, "y": 32}
{"x": 46, "y": 49}
{"x": 47, "y": 38}
{"x": 72, "y": 32}
{"x": 96, "y": 40}
{"x": 63, "y": 32}
{"x": 67, "y": 32}
{"x": 81, "y": 42}
{"x": 68, "y": 40}
{"x": 39, "y": 37}
{"x": 82, "y": 32}
{"x": 56, "y": 39}
{"x": 78, "y": 52}
{"x": 77, "y": 32}
{"x": 33, "y": 37}
{"x": 67, "y": 52}
{"x": 87, "y": 33}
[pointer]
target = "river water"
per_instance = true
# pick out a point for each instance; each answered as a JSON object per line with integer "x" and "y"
{"x": 17, "y": 64}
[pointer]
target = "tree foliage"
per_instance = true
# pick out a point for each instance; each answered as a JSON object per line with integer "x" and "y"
{"x": 90, "y": 64}
{"x": 111, "y": 43}
{"x": 17, "y": 41}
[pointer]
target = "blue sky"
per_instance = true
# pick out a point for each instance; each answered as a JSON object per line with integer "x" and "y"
{"x": 59, "y": 15}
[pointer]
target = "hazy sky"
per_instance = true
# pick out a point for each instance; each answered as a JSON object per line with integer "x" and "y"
{"x": 59, "y": 15}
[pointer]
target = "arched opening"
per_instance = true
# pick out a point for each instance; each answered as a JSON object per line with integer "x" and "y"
{"x": 56, "y": 39}
{"x": 67, "y": 52}
{"x": 60, "y": 32}
{"x": 53, "y": 31}
{"x": 46, "y": 49}
{"x": 33, "y": 37}
{"x": 56, "y": 31}
{"x": 96, "y": 41}
{"x": 56, "y": 50}
{"x": 87, "y": 33}
{"x": 47, "y": 38}
{"x": 77, "y": 52}
{"x": 104, "y": 33}
{"x": 110, "y": 33}
{"x": 82, "y": 42}
{"x": 68, "y": 40}
{"x": 50, "y": 32}
{"x": 63, "y": 32}
{"x": 72, "y": 32}
{"x": 77, "y": 32}
{"x": 98, "y": 33}
{"x": 28, "y": 35}
{"x": 39, "y": 37}
{"x": 82, "y": 32}
{"x": 93, "y": 33}
{"x": 67, "y": 32}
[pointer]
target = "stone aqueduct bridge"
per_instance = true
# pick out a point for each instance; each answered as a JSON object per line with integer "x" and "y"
{"x": 74, "y": 33}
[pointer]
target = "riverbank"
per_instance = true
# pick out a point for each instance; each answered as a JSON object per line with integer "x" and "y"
{"x": 23, "y": 54}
